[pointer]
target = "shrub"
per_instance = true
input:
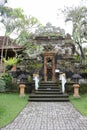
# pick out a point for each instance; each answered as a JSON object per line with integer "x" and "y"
{"x": 8, "y": 80}
{"x": 69, "y": 87}
{"x": 2, "y": 85}
{"x": 15, "y": 87}
{"x": 10, "y": 61}
{"x": 83, "y": 88}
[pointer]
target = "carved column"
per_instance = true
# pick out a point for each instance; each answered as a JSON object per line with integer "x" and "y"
{"x": 45, "y": 69}
{"x": 53, "y": 69}
{"x": 51, "y": 56}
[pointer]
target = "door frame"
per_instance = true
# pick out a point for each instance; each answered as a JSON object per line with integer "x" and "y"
{"x": 50, "y": 55}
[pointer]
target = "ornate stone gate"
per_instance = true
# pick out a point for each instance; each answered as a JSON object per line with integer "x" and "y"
{"x": 49, "y": 66}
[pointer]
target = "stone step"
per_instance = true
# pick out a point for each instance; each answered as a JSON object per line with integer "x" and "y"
{"x": 42, "y": 84}
{"x": 52, "y": 87}
{"x": 48, "y": 92}
{"x": 48, "y": 89}
{"x": 48, "y": 99}
{"x": 48, "y": 84}
{"x": 48, "y": 95}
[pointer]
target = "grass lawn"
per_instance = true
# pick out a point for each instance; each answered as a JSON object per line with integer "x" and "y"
{"x": 80, "y": 104}
{"x": 10, "y": 106}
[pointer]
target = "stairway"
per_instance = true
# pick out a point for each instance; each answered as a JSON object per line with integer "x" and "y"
{"x": 48, "y": 92}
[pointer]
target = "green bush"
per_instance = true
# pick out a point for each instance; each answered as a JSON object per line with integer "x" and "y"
{"x": 10, "y": 61}
{"x": 2, "y": 85}
{"x": 69, "y": 88}
{"x": 8, "y": 80}
{"x": 83, "y": 88}
{"x": 15, "y": 87}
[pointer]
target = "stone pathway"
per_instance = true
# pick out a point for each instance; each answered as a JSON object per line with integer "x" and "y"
{"x": 48, "y": 116}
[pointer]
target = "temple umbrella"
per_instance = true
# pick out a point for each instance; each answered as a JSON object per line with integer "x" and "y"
{"x": 76, "y": 77}
{"x": 22, "y": 78}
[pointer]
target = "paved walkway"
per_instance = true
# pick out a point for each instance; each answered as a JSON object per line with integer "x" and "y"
{"x": 48, "y": 116}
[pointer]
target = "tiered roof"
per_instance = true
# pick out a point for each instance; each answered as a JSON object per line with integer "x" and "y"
{"x": 8, "y": 43}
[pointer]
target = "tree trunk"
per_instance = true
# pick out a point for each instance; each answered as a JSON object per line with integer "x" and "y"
{"x": 81, "y": 50}
{"x": 6, "y": 49}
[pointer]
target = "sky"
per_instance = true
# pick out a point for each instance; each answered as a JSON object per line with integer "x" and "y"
{"x": 47, "y": 10}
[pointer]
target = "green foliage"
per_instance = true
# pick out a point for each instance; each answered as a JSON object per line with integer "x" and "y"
{"x": 2, "y": 85}
{"x": 10, "y": 61}
{"x": 29, "y": 79}
{"x": 77, "y": 58}
{"x": 85, "y": 68}
{"x": 77, "y": 16}
{"x": 35, "y": 66}
{"x": 18, "y": 13}
{"x": 83, "y": 88}
{"x": 11, "y": 19}
{"x": 27, "y": 24}
{"x": 14, "y": 87}
{"x": 70, "y": 89}
{"x": 8, "y": 80}
{"x": 15, "y": 21}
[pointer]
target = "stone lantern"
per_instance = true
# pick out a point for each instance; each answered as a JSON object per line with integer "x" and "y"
{"x": 76, "y": 85}
{"x": 22, "y": 79}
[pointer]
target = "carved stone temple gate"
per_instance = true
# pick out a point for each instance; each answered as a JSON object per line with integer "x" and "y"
{"x": 49, "y": 66}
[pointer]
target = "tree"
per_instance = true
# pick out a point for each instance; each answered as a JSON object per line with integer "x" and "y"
{"x": 28, "y": 26}
{"x": 9, "y": 19}
{"x": 15, "y": 21}
{"x": 78, "y": 17}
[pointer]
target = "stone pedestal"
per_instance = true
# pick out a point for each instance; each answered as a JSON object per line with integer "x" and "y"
{"x": 22, "y": 90}
{"x": 76, "y": 90}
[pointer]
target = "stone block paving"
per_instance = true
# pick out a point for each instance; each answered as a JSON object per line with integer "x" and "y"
{"x": 48, "y": 116}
